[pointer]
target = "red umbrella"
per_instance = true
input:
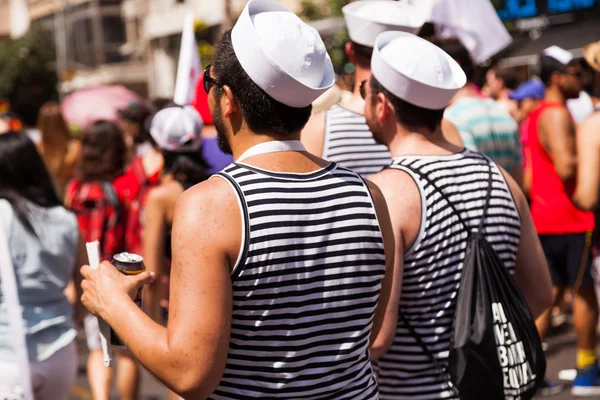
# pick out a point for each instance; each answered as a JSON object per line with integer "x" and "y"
{"x": 102, "y": 102}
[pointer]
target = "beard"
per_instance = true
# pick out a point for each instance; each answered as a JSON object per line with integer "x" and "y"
{"x": 221, "y": 131}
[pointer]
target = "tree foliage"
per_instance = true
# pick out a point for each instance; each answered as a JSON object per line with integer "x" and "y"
{"x": 26, "y": 77}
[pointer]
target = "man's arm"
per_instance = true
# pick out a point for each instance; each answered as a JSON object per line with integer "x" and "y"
{"x": 588, "y": 175}
{"x": 558, "y": 138}
{"x": 313, "y": 134}
{"x": 382, "y": 336}
{"x": 189, "y": 355}
{"x": 532, "y": 274}
{"x": 404, "y": 205}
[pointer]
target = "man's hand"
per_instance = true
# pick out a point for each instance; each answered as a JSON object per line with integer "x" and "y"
{"x": 105, "y": 288}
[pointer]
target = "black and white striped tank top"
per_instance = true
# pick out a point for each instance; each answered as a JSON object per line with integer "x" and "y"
{"x": 305, "y": 287}
{"x": 350, "y": 143}
{"x": 432, "y": 267}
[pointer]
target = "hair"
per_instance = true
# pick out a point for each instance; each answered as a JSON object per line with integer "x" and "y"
{"x": 187, "y": 166}
{"x": 508, "y": 76}
{"x": 102, "y": 152}
{"x": 547, "y": 67}
{"x": 55, "y": 137}
{"x": 459, "y": 53}
{"x": 362, "y": 54}
{"x": 23, "y": 176}
{"x": 262, "y": 113}
{"x": 408, "y": 114}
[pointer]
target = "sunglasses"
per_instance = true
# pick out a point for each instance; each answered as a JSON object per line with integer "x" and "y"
{"x": 363, "y": 90}
{"x": 208, "y": 80}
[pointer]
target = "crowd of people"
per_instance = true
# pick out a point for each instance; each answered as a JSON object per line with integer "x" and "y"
{"x": 299, "y": 254}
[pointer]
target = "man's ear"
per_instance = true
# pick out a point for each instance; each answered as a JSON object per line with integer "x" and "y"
{"x": 350, "y": 52}
{"x": 229, "y": 104}
{"x": 384, "y": 108}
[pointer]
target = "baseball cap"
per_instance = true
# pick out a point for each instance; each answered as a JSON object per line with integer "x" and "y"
{"x": 177, "y": 129}
{"x": 531, "y": 89}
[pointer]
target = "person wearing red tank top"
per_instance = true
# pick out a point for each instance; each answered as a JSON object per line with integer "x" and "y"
{"x": 565, "y": 231}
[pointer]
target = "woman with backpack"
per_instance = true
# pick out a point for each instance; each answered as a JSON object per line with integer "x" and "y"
{"x": 45, "y": 247}
{"x": 100, "y": 205}
{"x": 176, "y": 133}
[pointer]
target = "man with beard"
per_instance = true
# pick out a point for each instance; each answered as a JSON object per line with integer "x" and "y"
{"x": 279, "y": 279}
{"x": 436, "y": 193}
{"x": 340, "y": 134}
{"x": 564, "y": 230}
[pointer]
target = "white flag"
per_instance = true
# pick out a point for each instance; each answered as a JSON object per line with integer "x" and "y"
{"x": 189, "y": 67}
{"x": 19, "y": 18}
{"x": 474, "y": 22}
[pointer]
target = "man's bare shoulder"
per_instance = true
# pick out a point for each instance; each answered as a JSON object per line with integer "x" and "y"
{"x": 393, "y": 182}
{"x": 214, "y": 192}
{"x": 589, "y": 129}
{"x": 554, "y": 115}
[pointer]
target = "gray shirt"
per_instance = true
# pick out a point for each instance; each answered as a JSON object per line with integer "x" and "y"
{"x": 43, "y": 268}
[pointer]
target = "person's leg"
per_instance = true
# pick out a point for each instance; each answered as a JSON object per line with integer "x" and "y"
{"x": 128, "y": 376}
{"x": 585, "y": 304}
{"x": 585, "y": 316}
{"x": 99, "y": 377}
{"x": 551, "y": 244}
{"x": 57, "y": 374}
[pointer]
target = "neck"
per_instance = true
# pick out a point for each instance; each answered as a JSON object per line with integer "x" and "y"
{"x": 247, "y": 139}
{"x": 554, "y": 94}
{"x": 419, "y": 142}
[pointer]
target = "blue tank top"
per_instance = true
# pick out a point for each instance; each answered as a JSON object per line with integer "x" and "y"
{"x": 43, "y": 267}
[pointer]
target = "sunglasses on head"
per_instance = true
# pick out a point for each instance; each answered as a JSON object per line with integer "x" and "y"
{"x": 208, "y": 80}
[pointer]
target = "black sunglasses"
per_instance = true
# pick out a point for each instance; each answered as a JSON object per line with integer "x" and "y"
{"x": 208, "y": 80}
{"x": 363, "y": 90}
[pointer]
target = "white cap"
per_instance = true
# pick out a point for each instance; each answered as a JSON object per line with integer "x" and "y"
{"x": 367, "y": 19}
{"x": 177, "y": 129}
{"x": 415, "y": 70}
{"x": 284, "y": 56}
{"x": 559, "y": 54}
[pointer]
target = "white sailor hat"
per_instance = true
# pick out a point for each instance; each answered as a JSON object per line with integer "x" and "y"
{"x": 283, "y": 55}
{"x": 415, "y": 70}
{"x": 365, "y": 19}
{"x": 559, "y": 54}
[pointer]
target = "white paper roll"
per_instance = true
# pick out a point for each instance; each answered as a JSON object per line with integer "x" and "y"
{"x": 93, "y": 253}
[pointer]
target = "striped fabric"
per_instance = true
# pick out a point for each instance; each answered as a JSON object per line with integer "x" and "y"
{"x": 349, "y": 143}
{"x": 432, "y": 267}
{"x": 305, "y": 288}
{"x": 487, "y": 127}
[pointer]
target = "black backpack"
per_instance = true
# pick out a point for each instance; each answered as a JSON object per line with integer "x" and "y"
{"x": 495, "y": 350}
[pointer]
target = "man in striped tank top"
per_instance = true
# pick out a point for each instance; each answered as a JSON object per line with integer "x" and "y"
{"x": 279, "y": 279}
{"x": 405, "y": 101}
{"x": 341, "y": 134}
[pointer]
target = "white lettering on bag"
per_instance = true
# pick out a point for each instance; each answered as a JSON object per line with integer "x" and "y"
{"x": 516, "y": 369}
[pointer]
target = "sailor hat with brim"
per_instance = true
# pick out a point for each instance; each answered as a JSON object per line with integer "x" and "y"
{"x": 365, "y": 19}
{"x": 415, "y": 70}
{"x": 283, "y": 55}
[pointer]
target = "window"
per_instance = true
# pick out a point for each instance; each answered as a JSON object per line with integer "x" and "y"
{"x": 113, "y": 30}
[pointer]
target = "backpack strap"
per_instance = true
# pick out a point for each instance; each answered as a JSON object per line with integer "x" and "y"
{"x": 447, "y": 198}
{"x": 111, "y": 196}
{"x": 443, "y": 371}
{"x": 488, "y": 196}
